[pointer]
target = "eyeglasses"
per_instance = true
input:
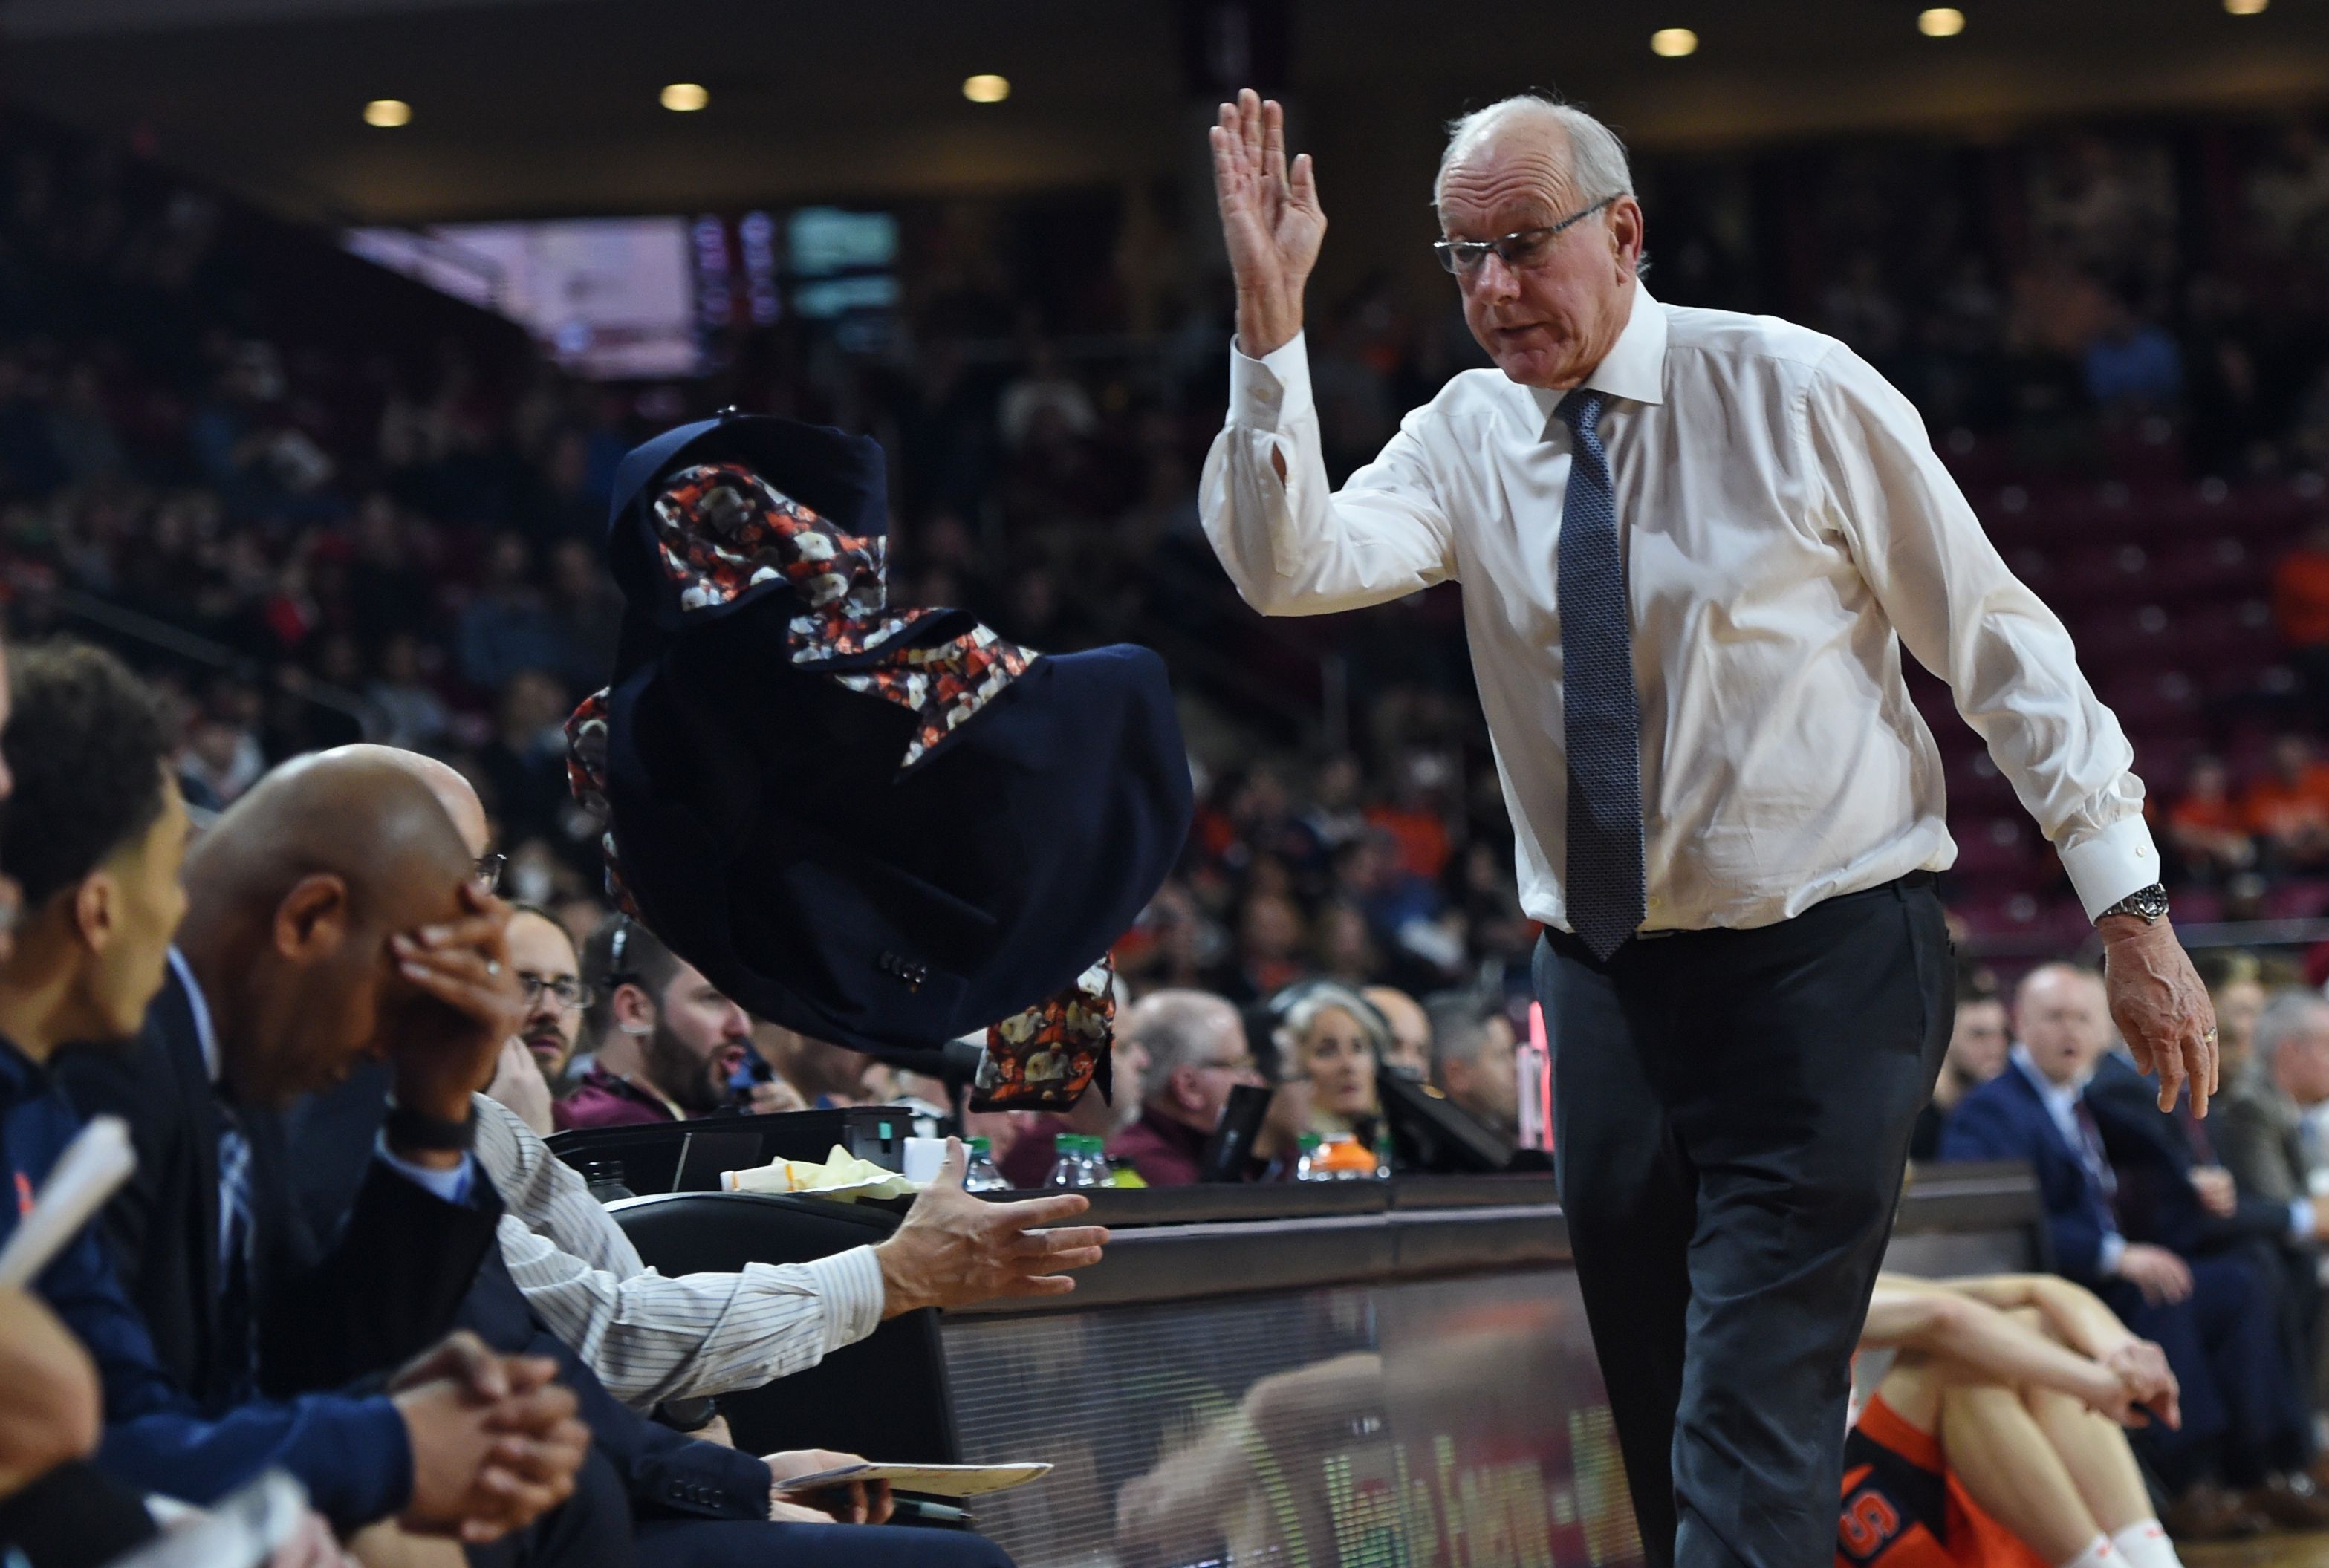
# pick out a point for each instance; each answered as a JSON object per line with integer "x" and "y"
{"x": 489, "y": 871}
{"x": 1520, "y": 250}
{"x": 568, "y": 991}
{"x": 1241, "y": 1064}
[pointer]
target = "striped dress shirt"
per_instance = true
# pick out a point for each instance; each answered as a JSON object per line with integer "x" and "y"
{"x": 650, "y": 1337}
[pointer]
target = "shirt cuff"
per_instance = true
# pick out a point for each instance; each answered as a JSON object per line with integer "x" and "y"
{"x": 2300, "y": 1221}
{"x": 849, "y": 1295}
{"x": 452, "y": 1186}
{"x": 2108, "y": 865}
{"x": 1271, "y": 393}
{"x": 2106, "y": 1257}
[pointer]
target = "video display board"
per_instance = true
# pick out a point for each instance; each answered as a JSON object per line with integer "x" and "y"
{"x": 1454, "y": 1422}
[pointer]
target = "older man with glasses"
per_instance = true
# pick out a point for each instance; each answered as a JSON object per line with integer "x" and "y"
{"x": 1693, "y": 544}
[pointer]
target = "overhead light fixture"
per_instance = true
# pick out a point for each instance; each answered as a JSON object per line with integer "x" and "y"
{"x": 1940, "y": 21}
{"x": 985, "y": 89}
{"x": 684, "y": 97}
{"x": 388, "y": 113}
{"x": 1673, "y": 42}
{"x": 2246, "y": 7}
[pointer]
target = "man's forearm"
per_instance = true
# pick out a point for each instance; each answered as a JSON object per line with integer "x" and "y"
{"x": 1266, "y": 322}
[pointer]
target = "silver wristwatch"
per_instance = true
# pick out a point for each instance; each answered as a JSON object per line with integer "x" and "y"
{"x": 2150, "y": 904}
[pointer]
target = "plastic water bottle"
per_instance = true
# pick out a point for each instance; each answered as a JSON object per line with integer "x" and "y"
{"x": 1095, "y": 1168}
{"x": 605, "y": 1178}
{"x": 1078, "y": 1164}
{"x": 1306, "y": 1159}
{"x": 980, "y": 1174}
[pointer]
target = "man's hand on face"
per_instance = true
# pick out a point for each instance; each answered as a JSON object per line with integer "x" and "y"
{"x": 955, "y": 1249}
{"x": 444, "y": 1054}
{"x": 495, "y": 1440}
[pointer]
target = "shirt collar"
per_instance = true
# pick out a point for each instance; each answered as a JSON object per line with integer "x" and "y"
{"x": 1635, "y": 368}
{"x": 2062, "y": 1096}
{"x": 197, "y": 1004}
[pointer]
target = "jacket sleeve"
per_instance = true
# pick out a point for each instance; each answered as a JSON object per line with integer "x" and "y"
{"x": 350, "y": 1454}
{"x": 386, "y": 1287}
{"x": 2253, "y": 1150}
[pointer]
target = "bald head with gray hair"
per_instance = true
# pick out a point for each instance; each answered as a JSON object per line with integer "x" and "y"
{"x": 1186, "y": 1032}
{"x": 2292, "y": 1012}
{"x": 1595, "y": 157}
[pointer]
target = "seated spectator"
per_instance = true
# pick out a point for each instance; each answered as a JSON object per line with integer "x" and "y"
{"x": 2269, "y": 1117}
{"x": 95, "y": 833}
{"x": 2287, "y": 810}
{"x": 2207, "y": 829}
{"x": 1269, "y": 950}
{"x": 825, "y": 1077}
{"x": 1035, "y": 1148}
{"x": 2267, "y": 1127}
{"x": 2300, "y": 611}
{"x": 2133, "y": 365}
{"x": 549, "y": 978}
{"x": 1196, "y": 1053}
{"x": 2235, "y": 985}
{"x": 666, "y": 1041}
{"x": 1333, "y": 1039}
{"x": 1411, "y": 1030}
{"x": 1977, "y": 1053}
{"x": 2002, "y": 1414}
{"x": 2215, "y": 1316}
{"x": 1473, "y": 1062}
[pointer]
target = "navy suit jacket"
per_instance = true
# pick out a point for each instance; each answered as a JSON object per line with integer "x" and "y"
{"x": 350, "y": 1299}
{"x": 2154, "y": 1151}
{"x": 2004, "y": 1119}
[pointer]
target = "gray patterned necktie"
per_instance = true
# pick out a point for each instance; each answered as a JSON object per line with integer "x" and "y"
{"x": 1602, "y": 713}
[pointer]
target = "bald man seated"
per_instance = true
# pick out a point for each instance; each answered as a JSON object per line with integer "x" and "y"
{"x": 294, "y": 965}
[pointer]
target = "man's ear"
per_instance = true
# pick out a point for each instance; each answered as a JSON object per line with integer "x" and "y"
{"x": 312, "y": 920}
{"x": 96, "y": 908}
{"x": 1185, "y": 1093}
{"x": 633, "y": 1011}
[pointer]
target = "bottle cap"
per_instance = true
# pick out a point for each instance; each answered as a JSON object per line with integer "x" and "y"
{"x": 1307, "y": 1141}
{"x": 981, "y": 1145}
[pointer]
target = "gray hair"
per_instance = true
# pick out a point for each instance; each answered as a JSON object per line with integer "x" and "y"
{"x": 1319, "y": 997}
{"x": 1459, "y": 1028}
{"x": 2285, "y": 1016}
{"x": 1597, "y": 158}
{"x": 1176, "y": 1027}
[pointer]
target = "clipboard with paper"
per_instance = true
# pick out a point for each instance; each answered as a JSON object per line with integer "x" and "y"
{"x": 928, "y": 1480}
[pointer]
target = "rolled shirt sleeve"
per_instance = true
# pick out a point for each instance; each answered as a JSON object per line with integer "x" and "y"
{"x": 1293, "y": 546}
{"x": 2007, "y": 659}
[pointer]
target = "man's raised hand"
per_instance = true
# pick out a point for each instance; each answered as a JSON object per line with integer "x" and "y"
{"x": 1270, "y": 220}
{"x": 955, "y": 1249}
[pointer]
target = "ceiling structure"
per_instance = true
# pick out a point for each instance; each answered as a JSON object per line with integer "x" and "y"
{"x": 527, "y": 106}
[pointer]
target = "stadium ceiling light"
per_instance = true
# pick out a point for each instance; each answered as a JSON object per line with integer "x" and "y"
{"x": 1673, "y": 42}
{"x": 684, "y": 97}
{"x": 2246, "y": 7}
{"x": 388, "y": 113}
{"x": 987, "y": 88}
{"x": 1940, "y": 21}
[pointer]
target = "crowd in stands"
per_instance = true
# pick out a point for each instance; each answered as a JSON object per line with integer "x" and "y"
{"x": 318, "y": 508}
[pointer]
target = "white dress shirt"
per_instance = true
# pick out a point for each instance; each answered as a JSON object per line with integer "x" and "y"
{"x": 650, "y": 1337}
{"x": 1786, "y": 527}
